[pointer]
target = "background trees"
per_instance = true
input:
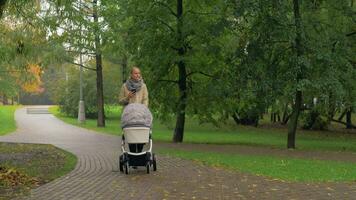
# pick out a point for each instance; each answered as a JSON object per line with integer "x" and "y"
{"x": 215, "y": 60}
{"x": 22, "y": 50}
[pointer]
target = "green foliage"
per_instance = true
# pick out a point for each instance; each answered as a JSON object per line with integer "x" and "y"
{"x": 66, "y": 92}
{"x": 148, "y": 30}
{"x": 22, "y": 43}
{"x": 240, "y": 56}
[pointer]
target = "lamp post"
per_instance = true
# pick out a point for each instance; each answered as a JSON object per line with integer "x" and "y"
{"x": 81, "y": 108}
{"x": 81, "y": 111}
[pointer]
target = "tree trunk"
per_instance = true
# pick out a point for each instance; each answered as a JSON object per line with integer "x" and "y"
{"x": 286, "y": 120}
{"x": 4, "y": 99}
{"x": 278, "y": 117}
{"x": 285, "y": 115}
{"x": 236, "y": 118}
{"x": 182, "y": 81}
{"x": 348, "y": 119}
{"x": 293, "y": 123}
{"x": 298, "y": 95}
{"x": 342, "y": 115}
{"x": 332, "y": 107}
{"x": 99, "y": 69}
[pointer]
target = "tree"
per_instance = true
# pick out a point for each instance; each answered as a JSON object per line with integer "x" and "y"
{"x": 81, "y": 34}
{"x": 299, "y": 48}
{"x": 175, "y": 43}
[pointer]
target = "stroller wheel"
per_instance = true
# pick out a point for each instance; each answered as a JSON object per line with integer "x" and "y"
{"x": 154, "y": 163}
{"x": 121, "y": 164}
{"x": 148, "y": 167}
{"x": 127, "y": 167}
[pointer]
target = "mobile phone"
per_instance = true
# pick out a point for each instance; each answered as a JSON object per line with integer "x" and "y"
{"x": 133, "y": 90}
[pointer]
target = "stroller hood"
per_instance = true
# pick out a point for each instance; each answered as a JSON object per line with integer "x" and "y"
{"x": 136, "y": 115}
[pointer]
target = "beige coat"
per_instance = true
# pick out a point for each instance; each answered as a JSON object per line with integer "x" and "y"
{"x": 140, "y": 96}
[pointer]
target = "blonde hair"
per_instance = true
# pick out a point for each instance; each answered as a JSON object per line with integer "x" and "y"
{"x": 133, "y": 68}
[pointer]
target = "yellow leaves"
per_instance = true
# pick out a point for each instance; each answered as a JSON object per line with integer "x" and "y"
{"x": 12, "y": 178}
{"x": 33, "y": 85}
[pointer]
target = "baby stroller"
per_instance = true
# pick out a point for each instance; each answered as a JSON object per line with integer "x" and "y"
{"x": 136, "y": 122}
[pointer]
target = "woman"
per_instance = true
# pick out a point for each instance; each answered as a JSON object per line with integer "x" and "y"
{"x": 134, "y": 90}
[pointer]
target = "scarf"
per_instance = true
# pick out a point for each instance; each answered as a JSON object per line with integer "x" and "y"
{"x": 134, "y": 85}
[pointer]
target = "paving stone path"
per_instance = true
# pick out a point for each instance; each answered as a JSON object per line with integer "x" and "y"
{"x": 96, "y": 174}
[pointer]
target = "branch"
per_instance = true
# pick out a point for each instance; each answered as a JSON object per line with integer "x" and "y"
{"x": 350, "y": 34}
{"x": 342, "y": 115}
{"x": 85, "y": 52}
{"x": 88, "y": 49}
{"x": 169, "y": 81}
{"x": 169, "y": 8}
{"x": 285, "y": 121}
{"x": 280, "y": 41}
{"x": 341, "y": 122}
{"x": 199, "y": 72}
{"x": 201, "y": 13}
{"x": 26, "y": 18}
{"x": 74, "y": 63}
{"x": 167, "y": 25}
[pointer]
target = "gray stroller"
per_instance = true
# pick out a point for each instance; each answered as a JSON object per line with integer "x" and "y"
{"x": 136, "y": 122}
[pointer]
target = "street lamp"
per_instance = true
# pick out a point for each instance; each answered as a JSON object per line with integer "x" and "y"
{"x": 81, "y": 110}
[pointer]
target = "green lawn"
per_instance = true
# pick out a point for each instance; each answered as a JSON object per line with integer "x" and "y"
{"x": 284, "y": 168}
{"x": 288, "y": 169}
{"x": 7, "y": 120}
{"x": 229, "y": 134}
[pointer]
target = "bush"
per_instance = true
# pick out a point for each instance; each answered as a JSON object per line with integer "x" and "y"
{"x": 65, "y": 93}
{"x": 313, "y": 120}
{"x": 248, "y": 113}
{"x": 68, "y": 98}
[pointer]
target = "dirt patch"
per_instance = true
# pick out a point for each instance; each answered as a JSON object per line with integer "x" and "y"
{"x": 27, "y": 166}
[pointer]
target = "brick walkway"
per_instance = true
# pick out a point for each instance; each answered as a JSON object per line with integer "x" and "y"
{"x": 96, "y": 175}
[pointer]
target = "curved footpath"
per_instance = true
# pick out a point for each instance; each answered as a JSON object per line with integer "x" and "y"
{"x": 96, "y": 174}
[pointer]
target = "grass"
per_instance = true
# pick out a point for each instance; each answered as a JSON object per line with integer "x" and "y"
{"x": 229, "y": 134}
{"x": 26, "y": 166}
{"x": 282, "y": 168}
{"x": 112, "y": 125}
{"x": 285, "y": 169}
{"x": 7, "y": 120}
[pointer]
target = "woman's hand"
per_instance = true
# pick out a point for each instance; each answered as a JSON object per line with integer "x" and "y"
{"x": 131, "y": 94}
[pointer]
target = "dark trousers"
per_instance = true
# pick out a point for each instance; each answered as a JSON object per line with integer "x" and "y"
{"x": 136, "y": 148}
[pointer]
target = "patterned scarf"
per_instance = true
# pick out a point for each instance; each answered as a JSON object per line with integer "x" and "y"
{"x": 134, "y": 85}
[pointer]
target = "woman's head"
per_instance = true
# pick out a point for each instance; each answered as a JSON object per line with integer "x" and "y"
{"x": 135, "y": 73}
